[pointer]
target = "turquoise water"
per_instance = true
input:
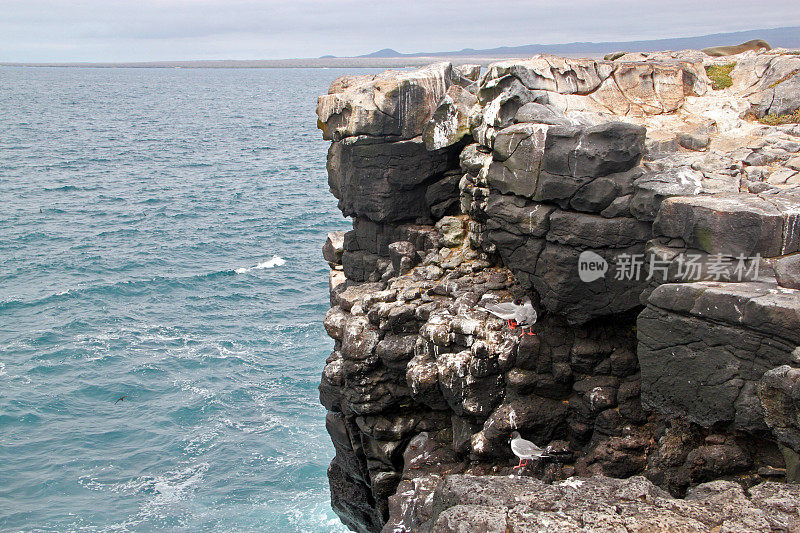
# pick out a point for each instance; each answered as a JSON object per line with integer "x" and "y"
{"x": 160, "y": 234}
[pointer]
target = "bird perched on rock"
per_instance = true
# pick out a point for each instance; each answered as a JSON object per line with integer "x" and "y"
{"x": 517, "y": 313}
{"x": 525, "y": 449}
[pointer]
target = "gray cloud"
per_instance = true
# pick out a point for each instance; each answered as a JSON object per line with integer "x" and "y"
{"x": 124, "y": 30}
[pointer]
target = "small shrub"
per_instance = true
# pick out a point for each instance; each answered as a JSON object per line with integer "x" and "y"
{"x": 720, "y": 75}
{"x": 777, "y": 120}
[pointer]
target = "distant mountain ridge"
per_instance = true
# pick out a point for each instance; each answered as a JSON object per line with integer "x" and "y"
{"x": 787, "y": 37}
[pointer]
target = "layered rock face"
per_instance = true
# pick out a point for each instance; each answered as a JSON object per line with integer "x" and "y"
{"x": 653, "y": 222}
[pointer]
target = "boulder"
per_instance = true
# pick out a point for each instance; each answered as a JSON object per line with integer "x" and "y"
{"x": 778, "y": 89}
{"x": 442, "y": 196}
{"x": 787, "y": 270}
{"x": 333, "y": 248}
{"x": 640, "y": 89}
{"x": 694, "y": 140}
{"x": 557, "y": 280}
{"x": 394, "y": 103}
{"x": 582, "y": 231}
{"x": 501, "y": 98}
{"x": 729, "y": 224}
{"x": 594, "y": 151}
{"x": 517, "y": 215}
{"x": 779, "y": 392}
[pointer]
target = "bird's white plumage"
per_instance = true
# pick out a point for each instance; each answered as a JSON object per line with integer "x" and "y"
{"x": 523, "y": 314}
{"x": 525, "y": 449}
{"x": 505, "y": 310}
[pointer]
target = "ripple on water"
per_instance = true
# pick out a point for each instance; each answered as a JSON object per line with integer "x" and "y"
{"x": 163, "y": 247}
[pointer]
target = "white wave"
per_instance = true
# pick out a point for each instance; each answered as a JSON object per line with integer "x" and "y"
{"x": 269, "y": 263}
{"x": 274, "y": 262}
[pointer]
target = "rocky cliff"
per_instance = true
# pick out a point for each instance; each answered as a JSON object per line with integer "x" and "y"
{"x": 652, "y": 219}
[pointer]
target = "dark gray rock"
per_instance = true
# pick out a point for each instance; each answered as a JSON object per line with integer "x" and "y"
{"x": 352, "y": 500}
{"x": 619, "y": 207}
{"x": 396, "y": 350}
{"x": 595, "y": 151}
{"x": 696, "y": 140}
{"x": 730, "y": 224}
{"x": 385, "y": 181}
{"x": 518, "y": 151}
{"x": 787, "y": 270}
{"x": 557, "y": 281}
{"x": 442, "y": 196}
{"x": 779, "y": 392}
{"x": 517, "y": 215}
{"x": 361, "y": 266}
{"x": 582, "y": 231}
{"x": 404, "y": 257}
{"x": 657, "y": 184}
{"x": 351, "y": 496}
{"x": 693, "y": 365}
{"x": 711, "y": 462}
{"x": 558, "y": 189}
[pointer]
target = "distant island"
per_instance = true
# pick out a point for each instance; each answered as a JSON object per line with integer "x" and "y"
{"x": 787, "y": 37}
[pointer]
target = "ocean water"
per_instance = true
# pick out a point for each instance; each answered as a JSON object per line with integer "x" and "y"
{"x": 160, "y": 236}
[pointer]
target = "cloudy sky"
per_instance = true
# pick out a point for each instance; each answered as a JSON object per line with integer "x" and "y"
{"x": 133, "y": 30}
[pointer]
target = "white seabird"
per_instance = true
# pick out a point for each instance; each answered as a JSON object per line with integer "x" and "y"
{"x": 517, "y": 313}
{"x": 525, "y": 449}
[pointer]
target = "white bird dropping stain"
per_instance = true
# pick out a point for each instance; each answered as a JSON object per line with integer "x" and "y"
{"x": 512, "y": 419}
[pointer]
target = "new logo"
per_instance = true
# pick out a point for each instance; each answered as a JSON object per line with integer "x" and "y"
{"x": 591, "y": 266}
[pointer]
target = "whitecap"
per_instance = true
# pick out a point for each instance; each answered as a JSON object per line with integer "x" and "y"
{"x": 269, "y": 263}
{"x": 275, "y": 261}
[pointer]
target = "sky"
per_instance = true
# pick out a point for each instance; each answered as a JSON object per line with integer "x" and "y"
{"x": 154, "y": 30}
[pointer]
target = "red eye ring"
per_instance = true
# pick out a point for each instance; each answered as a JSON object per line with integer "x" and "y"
{"x": 518, "y": 301}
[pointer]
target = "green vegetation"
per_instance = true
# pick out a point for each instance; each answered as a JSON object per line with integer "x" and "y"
{"x": 720, "y": 75}
{"x": 777, "y": 120}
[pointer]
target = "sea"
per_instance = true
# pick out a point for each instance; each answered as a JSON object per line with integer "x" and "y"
{"x": 162, "y": 291}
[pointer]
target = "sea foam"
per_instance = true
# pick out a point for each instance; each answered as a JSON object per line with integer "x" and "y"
{"x": 270, "y": 263}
